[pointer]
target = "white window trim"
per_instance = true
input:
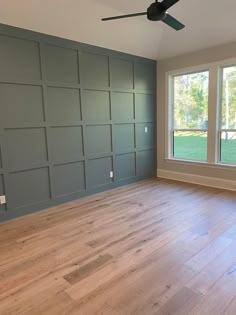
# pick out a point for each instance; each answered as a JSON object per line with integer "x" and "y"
{"x": 214, "y": 107}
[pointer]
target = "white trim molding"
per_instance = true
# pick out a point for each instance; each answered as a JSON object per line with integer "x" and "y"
{"x": 197, "y": 179}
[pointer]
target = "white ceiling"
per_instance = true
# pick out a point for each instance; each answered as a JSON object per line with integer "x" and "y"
{"x": 208, "y": 23}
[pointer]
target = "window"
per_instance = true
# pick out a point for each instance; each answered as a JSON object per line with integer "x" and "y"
{"x": 202, "y": 115}
{"x": 228, "y": 115}
{"x": 189, "y": 121}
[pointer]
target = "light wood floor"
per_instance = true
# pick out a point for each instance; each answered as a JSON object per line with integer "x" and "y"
{"x": 155, "y": 247}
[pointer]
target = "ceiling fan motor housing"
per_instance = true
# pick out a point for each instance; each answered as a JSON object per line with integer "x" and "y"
{"x": 156, "y": 12}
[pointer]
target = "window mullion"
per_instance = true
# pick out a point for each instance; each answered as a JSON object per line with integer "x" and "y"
{"x": 213, "y": 121}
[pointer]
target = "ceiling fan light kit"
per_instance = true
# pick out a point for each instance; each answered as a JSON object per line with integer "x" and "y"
{"x": 157, "y": 11}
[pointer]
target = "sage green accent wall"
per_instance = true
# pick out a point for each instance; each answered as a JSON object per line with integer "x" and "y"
{"x": 70, "y": 114}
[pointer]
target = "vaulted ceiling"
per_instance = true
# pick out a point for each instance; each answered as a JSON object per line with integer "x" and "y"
{"x": 208, "y": 23}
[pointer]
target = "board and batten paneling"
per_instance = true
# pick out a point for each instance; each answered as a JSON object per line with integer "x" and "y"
{"x": 71, "y": 113}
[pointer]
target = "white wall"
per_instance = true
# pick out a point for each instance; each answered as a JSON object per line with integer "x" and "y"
{"x": 165, "y": 166}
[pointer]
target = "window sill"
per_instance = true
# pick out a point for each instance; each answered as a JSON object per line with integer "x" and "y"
{"x": 202, "y": 164}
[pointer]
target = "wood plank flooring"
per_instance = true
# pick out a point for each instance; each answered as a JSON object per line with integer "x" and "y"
{"x": 156, "y": 247}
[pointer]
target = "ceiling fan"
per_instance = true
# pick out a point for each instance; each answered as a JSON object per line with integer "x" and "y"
{"x": 157, "y": 11}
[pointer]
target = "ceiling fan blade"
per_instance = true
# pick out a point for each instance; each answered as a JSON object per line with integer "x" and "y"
{"x": 172, "y": 22}
{"x": 166, "y": 4}
{"x": 123, "y": 16}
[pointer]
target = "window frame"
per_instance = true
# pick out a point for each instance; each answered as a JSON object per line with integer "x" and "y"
{"x": 220, "y": 106}
{"x": 171, "y": 127}
{"x": 214, "y": 118}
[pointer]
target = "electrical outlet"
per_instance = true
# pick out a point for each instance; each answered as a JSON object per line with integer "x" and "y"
{"x": 2, "y": 199}
{"x": 111, "y": 174}
{"x": 146, "y": 129}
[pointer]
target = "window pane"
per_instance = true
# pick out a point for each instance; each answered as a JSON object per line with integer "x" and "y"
{"x": 228, "y": 147}
{"x": 190, "y": 145}
{"x": 191, "y": 101}
{"x": 229, "y": 98}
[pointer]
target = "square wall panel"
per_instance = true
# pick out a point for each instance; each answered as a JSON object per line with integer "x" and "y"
{"x": 95, "y": 70}
{"x": 61, "y": 64}
{"x": 21, "y": 104}
{"x": 28, "y": 187}
{"x": 122, "y": 106}
{"x": 69, "y": 178}
{"x": 63, "y": 105}
{"x": 146, "y": 163}
{"x": 66, "y": 143}
{"x": 97, "y": 106}
{"x": 0, "y": 157}
{"x": 122, "y": 74}
{"x": 125, "y": 166}
{"x": 124, "y": 137}
{"x": 145, "y": 76}
{"x": 145, "y": 135}
{"x": 19, "y": 59}
{"x": 145, "y": 107}
{"x": 26, "y": 148}
{"x": 2, "y": 191}
{"x": 98, "y": 139}
{"x": 98, "y": 172}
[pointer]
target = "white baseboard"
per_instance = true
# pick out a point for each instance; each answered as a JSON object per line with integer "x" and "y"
{"x": 196, "y": 179}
